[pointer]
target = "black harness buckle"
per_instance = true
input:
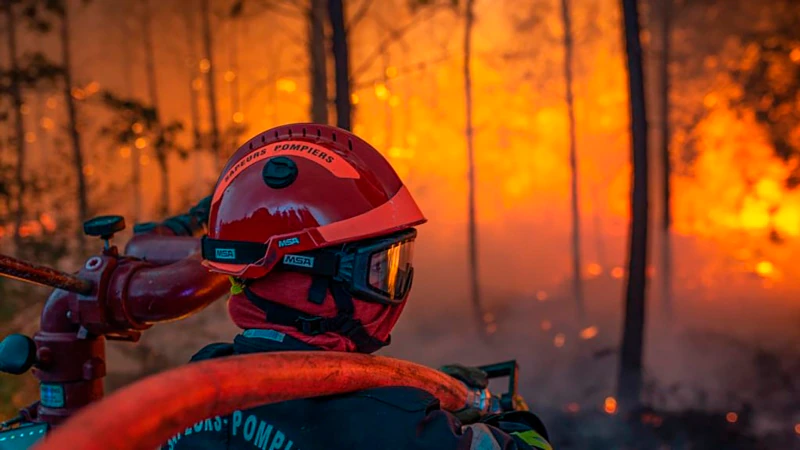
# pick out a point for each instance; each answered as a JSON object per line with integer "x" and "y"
{"x": 311, "y": 326}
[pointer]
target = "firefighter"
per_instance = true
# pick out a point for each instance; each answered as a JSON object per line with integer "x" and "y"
{"x": 316, "y": 232}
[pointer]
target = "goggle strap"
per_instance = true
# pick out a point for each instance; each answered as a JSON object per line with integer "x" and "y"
{"x": 231, "y": 252}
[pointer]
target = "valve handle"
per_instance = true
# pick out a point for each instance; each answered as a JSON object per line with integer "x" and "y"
{"x": 17, "y": 354}
{"x": 104, "y": 227}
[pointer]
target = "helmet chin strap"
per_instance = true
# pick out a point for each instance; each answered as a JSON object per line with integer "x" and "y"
{"x": 344, "y": 323}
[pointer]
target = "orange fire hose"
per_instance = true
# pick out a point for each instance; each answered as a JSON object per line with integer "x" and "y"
{"x": 149, "y": 412}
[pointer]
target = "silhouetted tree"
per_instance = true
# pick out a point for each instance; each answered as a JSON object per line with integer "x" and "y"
{"x": 577, "y": 287}
{"x": 210, "y": 86}
{"x": 341, "y": 64}
{"x": 630, "y": 374}
{"x": 15, "y": 91}
{"x": 318, "y": 61}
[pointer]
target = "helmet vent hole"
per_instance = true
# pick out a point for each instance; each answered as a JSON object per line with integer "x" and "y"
{"x": 290, "y": 133}
{"x": 263, "y": 139}
{"x": 319, "y": 133}
{"x": 251, "y": 146}
{"x": 276, "y": 134}
{"x": 334, "y": 137}
{"x": 350, "y": 144}
{"x": 304, "y": 132}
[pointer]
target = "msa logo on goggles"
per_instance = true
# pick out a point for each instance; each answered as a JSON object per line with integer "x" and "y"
{"x": 225, "y": 253}
{"x": 287, "y": 242}
{"x": 299, "y": 261}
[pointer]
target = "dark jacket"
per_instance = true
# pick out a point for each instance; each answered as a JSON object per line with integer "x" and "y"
{"x": 383, "y": 418}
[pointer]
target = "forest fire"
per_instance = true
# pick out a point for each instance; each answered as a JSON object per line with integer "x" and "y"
{"x": 152, "y": 112}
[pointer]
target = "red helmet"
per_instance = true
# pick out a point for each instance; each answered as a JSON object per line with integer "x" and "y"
{"x": 298, "y": 188}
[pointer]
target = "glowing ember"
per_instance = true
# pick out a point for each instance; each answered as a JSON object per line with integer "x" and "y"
{"x": 797, "y": 428}
{"x": 391, "y": 72}
{"x": 765, "y": 268}
{"x": 546, "y": 325}
{"x": 589, "y": 333}
{"x": 78, "y": 94}
{"x": 92, "y": 88}
{"x": 137, "y": 127}
{"x": 197, "y": 84}
{"x": 559, "y": 340}
{"x": 30, "y": 137}
{"x": 125, "y": 152}
{"x": 140, "y": 143}
{"x": 230, "y": 76}
{"x": 286, "y": 85}
{"x": 617, "y": 272}
{"x": 25, "y": 109}
{"x": 594, "y": 270}
{"x": 47, "y": 123}
{"x": 144, "y": 160}
{"x": 205, "y": 65}
{"x": 488, "y": 317}
{"x": 88, "y": 170}
{"x": 394, "y": 101}
{"x": 610, "y": 405}
{"x": 573, "y": 408}
{"x": 238, "y": 117}
{"x": 731, "y": 417}
{"x": 354, "y": 98}
{"x": 52, "y": 102}
{"x": 541, "y": 296}
{"x": 47, "y": 222}
{"x": 381, "y": 91}
{"x": 795, "y": 55}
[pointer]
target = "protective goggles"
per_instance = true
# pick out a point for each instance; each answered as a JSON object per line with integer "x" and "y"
{"x": 378, "y": 270}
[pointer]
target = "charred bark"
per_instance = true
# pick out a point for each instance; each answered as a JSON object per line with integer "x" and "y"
{"x": 341, "y": 64}
{"x": 630, "y": 374}
{"x": 577, "y": 287}
{"x": 74, "y": 133}
{"x": 319, "y": 66}
{"x": 666, "y": 163}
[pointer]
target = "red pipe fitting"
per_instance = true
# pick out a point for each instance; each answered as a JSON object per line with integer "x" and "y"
{"x": 162, "y": 249}
{"x": 128, "y": 295}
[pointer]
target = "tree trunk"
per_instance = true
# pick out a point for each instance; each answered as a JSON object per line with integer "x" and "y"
{"x": 233, "y": 62}
{"x": 152, "y": 89}
{"x": 666, "y": 163}
{"x": 212, "y": 93}
{"x": 74, "y": 134}
{"x": 341, "y": 64}
{"x": 194, "y": 109}
{"x": 127, "y": 77}
{"x": 472, "y": 238}
{"x": 630, "y": 374}
{"x": 319, "y": 64}
{"x": 577, "y": 286}
{"x": 19, "y": 125}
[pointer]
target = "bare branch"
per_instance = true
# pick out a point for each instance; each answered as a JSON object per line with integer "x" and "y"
{"x": 394, "y": 35}
{"x": 359, "y": 15}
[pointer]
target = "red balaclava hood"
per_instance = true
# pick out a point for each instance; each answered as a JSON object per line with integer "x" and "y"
{"x": 291, "y": 289}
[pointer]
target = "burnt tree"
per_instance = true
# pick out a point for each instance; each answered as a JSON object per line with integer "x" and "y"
{"x": 577, "y": 288}
{"x": 630, "y": 374}
{"x": 341, "y": 64}
{"x": 319, "y": 62}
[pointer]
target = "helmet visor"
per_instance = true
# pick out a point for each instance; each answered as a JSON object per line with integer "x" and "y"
{"x": 390, "y": 271}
